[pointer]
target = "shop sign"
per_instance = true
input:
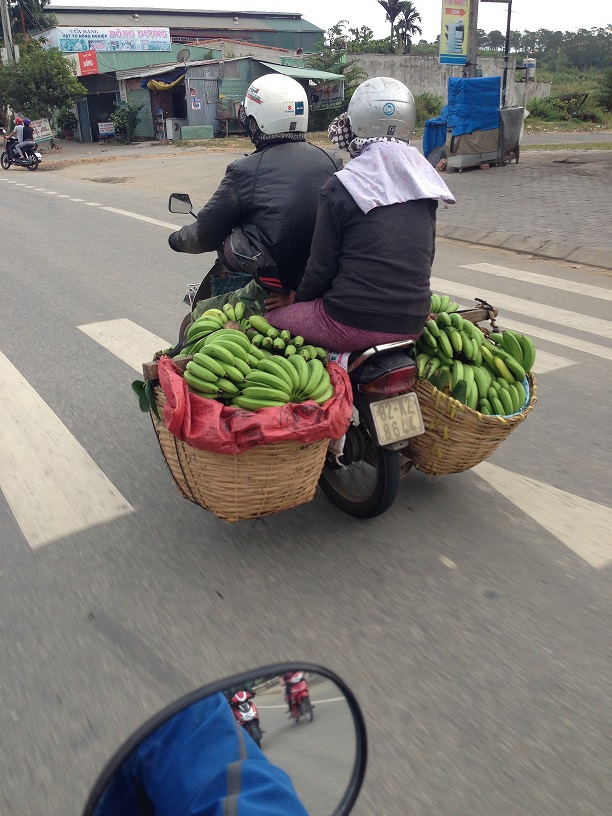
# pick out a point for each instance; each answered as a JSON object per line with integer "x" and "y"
{"x": 109, "y": 38}
{"x": 326, "y": 95}
{"x": 42, "y": 130}
{"x": 88, "y": 63}
{"x": 454, "y": 33}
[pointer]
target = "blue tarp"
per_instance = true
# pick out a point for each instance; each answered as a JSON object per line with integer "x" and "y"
{"x": 434, "y": 134}
{"x": 473, "y": 104}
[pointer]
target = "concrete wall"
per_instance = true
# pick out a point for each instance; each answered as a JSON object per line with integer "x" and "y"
{"x": 426, "y": 75}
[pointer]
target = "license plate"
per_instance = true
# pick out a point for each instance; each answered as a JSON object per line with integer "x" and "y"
{"x": 397, "y": 418}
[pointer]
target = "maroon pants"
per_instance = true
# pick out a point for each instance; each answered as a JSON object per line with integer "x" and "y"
{"x": 311, "y": 321}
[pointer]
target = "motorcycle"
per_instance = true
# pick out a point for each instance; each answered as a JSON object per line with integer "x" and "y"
{"x": 246, "y": 714}
{"x": 31, "y": 157}
{"x": 299, "y": 697}
{"x": 192, "y": 757}
{"x": 362, "y": 472}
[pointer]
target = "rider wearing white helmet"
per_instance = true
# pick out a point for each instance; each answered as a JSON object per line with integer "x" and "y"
{"x": 367, "y": 278}
{"x": 263, "y": 213}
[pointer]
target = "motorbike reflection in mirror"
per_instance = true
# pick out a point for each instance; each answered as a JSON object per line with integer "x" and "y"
{"x": 180, "y": 203}
{"x": 195, "y": 759}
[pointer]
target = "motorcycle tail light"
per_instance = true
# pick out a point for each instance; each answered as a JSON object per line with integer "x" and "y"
{"x": 395, "y": 382}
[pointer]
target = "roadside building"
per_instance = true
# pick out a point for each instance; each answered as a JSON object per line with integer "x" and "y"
{"x": 170, "y": 62}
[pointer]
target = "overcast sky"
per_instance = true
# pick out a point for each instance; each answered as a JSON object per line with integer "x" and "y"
{"x": 530, "y": 15}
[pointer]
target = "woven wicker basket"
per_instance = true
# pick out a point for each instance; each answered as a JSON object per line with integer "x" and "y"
{"x": 261, "y": 481}
{"x": 457, "y": 438}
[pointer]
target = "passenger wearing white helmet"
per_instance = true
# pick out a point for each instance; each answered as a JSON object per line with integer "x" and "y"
{"x": 367, "y": 280}
{"x": 262, "y": 216}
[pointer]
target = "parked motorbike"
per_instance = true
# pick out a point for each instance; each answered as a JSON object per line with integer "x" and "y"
{"x": 31, "y": 156}
{"x": 193, "y": 757}
{"x": 299, "y": 697}
{"x": 246, "y": 714}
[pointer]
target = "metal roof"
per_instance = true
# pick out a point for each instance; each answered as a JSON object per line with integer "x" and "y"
{"x": 111, "y": 61}
{"x": 182, "y": 19}
{"x": 300, "y": 73}
{"x": 132, "y": 73}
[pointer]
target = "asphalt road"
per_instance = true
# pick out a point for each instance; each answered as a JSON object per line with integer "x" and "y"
{"x": 472, "y": 620}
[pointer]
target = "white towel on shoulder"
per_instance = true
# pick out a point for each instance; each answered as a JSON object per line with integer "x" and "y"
{"x": 391, "y": 173}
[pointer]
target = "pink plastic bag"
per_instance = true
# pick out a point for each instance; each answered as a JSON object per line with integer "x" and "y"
{"x": 209, "y": 425}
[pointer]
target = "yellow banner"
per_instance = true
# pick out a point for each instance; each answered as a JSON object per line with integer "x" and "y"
{"x": 454, "y": 33}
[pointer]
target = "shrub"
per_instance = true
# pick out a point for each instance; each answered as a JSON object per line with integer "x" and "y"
{"x": 428, "y": 106}
{"x": 66, "y": 120}
{"x": 125, "y": 118}
{"x": 547, "y": 109}
{"x": 604, "y": 92}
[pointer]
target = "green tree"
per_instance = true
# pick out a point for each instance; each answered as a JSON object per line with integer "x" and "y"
{"x": 407, "y": 25}
{"x": 29, "y": 14}
{"x": 393, "y": 9}
{"x": 496, "y": 40}
{"x": 331, "y": 57}
{"x": 43, "y": 81}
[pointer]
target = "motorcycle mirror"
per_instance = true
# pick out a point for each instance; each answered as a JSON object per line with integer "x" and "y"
{"x": 200, "y": 755}
{"x": 180, "y": 203}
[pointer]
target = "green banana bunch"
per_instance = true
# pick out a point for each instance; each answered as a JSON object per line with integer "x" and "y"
{"x": 486, "y": 373}
{"x": 442, "y": 303}
{"x": 259, "y": 367}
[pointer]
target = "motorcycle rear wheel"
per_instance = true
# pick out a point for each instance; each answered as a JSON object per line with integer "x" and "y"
{"x": 5, "y": 162}
{"x": 306, "y": 709}
{"x": 34, "y": 163}
{"x": 368, "y": 485}
{"x": 255, "y": 734}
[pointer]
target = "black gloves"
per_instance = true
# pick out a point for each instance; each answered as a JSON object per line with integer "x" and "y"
{"x": 173, "y": 241}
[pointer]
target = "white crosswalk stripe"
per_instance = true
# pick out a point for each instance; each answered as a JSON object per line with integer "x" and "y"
{"x": 541, "y": 280}
{"x": 541, "y": 311}
{"x": 50, "y": 482}
{"x": 126, "y": 340}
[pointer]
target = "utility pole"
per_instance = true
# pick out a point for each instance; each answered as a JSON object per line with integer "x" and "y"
{"x": 472, "y": 47}
{"x": 7, "y": 31}
{"x": 506, "y": 48}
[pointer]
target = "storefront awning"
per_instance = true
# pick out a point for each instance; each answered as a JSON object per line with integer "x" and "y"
{"x": 300, "y": 73}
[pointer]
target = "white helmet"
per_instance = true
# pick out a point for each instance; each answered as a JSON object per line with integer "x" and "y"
{"x": 382, "y": 106}
{"x": 278, "y": 104}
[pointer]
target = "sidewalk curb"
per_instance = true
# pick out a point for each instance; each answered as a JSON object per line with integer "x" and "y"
{"x": 540, "y": 246}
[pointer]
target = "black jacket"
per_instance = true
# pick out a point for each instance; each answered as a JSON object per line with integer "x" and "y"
{"x": 273, "y": 195}
{"x": 373, "y": 270}
{"x": 28, "y": 133}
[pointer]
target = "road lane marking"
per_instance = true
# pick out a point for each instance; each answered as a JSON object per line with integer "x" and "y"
{"x": 77, "y": 199}
{"x": 52, "y": 485}
{"x": 541, "y": 280}
{"x": 65, "y": 195}
{"x": 549, "y": 314}
{"x": 559, "y": 339}
{"x": 91, "y": 204}
{"x": 313, "y": 700}
{"x": 582, "y": 525}
{"x": 546, "y": 362}
{"x": 146, "y": 218}
{"x": 126, "y": 340}
{"x": 50, "y": 192}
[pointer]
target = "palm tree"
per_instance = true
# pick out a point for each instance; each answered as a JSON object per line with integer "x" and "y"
{"x": 393, "y": 8}
{"x": 407, "y": 25}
